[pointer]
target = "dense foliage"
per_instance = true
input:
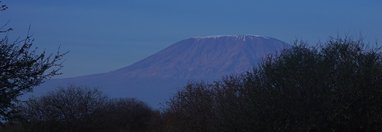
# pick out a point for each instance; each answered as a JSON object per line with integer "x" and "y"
{"x": 76, "y": 109}
{"x": 336, "y": 87}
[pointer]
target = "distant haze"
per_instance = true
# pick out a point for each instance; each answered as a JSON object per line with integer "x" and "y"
{"x": 157, "y": 77}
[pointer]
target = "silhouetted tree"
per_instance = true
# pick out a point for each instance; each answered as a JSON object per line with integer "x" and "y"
{"x": 22, "y": 68}
{"x": 77, "y": 109}
{"x": 333, "y": 87}
{"x": 191, "y": 109}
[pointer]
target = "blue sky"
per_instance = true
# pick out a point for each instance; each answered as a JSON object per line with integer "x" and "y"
{"x": 106, "y": 35}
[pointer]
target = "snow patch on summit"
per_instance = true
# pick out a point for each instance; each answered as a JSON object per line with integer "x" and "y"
{"x": 238, "y": 37}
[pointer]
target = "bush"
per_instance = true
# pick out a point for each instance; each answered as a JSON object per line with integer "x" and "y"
{"x": 67, "y": 109}
{"x": 190, "y": 109}
{"x": 127, "y": 115}
{"x": 77, "y": 109}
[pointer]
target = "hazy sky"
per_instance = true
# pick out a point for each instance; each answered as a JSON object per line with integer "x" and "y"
{"x": 106, "y": 35}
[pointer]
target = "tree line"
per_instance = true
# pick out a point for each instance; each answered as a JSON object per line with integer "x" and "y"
{"x": 76, "y": 109}
{"x": 333, "y": 87}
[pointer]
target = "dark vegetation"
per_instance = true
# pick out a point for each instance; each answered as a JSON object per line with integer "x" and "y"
{"x": 21, "y": 68}
{"x": 337, "y": 87}
{"x": 333, "y": 87}
{"x": 76, "y": 109}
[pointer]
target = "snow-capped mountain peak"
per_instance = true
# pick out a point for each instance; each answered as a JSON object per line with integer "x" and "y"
{"x": 160, "y": 75}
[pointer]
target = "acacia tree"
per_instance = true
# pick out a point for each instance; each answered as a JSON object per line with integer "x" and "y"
{"x": 21, "y": 69}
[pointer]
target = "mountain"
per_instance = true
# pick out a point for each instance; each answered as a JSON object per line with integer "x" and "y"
{"x": 158, "y": 77}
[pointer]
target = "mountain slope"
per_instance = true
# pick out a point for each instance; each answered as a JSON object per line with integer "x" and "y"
{"x": 159, "y": 76}
{"x": 204, "y": 58}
